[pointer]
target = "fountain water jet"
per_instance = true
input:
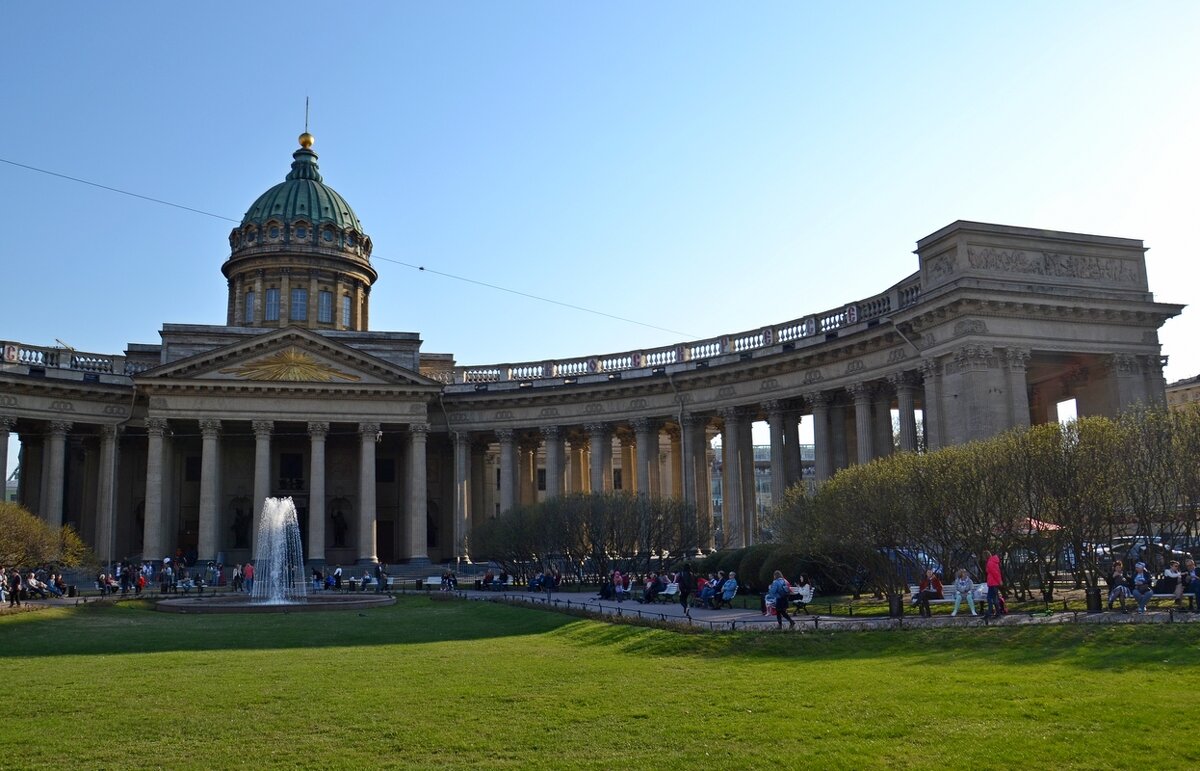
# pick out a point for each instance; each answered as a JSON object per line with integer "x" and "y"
{"x": 279, "y": 577}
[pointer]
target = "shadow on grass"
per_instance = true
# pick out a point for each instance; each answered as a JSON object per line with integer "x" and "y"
{"x": 133, "y": 627}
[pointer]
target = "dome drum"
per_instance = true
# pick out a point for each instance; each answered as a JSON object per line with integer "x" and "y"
{"x": 299, "y": 256}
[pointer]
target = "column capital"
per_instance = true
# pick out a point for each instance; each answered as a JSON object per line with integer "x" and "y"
{"x": 860, "y": 392}
{"x": 773, "y": 407}
{"x": 818, "y": 400}
{"x": 7, "y": 423}
{"x": 732, "y": 413}
{"x": 597, "y": 428}
{"x": 370, "y": 429}
{"x": 931, "y": 368}
{"x": 318, "y": 429}
{"x": 643, "y": 425}
{"x": 551, "y": 432}
{"x": 262, "y": 428}
{"x": 690, "y": 420}
{"x": 418, "y": 429}
{"x": 110, "y": 431}
{"x": 210, "y": 427}
{"x": 460, "y": 437}
{"x": 907, "y": 380}
{"x": 505, "y": 435}
{"x": 157, "y": 426}
{"x": 62, "y": 427}
{"x": 1018, "y": 358}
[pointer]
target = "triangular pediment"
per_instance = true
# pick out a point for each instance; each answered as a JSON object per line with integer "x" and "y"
{"x": 282, "y": 357}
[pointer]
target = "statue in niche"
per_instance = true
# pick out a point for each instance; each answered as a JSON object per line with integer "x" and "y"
{"x": 240, "y": 528}
{"x": 340, "y": 527}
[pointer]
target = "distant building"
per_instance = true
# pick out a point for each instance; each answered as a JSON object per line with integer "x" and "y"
{"x": 1183, "y": 392}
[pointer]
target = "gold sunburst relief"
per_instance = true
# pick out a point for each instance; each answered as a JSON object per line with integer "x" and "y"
{"x": 290, "y": 364}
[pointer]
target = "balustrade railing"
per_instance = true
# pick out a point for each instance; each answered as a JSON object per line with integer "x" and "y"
{"x": 903, "y": 295}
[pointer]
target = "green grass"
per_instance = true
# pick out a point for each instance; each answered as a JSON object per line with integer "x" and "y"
{"x": 431, "y": 683}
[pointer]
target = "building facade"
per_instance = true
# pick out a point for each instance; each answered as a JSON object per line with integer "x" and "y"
{"x": 392, "y": 453}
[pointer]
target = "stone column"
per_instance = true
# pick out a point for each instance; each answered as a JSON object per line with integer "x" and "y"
{"x": 259, "y": 300}
{"x": 600, "y": 439}
{"x": 861, "y": 394}
{"x": 689, "y": 426}
{"x": 153, "y": 544}
{"x": 629, "y": 477}
{"x": 837, "y": 428}
{"x": 931, "y": 404}
{"x": 317, "y": 431}
{"x": 905, "y": 384}
{"x": 775, "y": 420}
{"x": 675, "y": 462}
{"x": 210, "y": 488}
{"x": 552, "y": 441}
{"x": 527, "y": 491}
{"x": 578, "y": 455}
{"x": 1016, "y": 361}
{"x": 823, "y": 451}
{"x": 56, "y": 450}
{"x": 418, "y": 536}
{"x": 793, "y": 464}
{"x": 732, "y": 484}
{"x": 646, "y": 432}
{"x": 508, "y": 473}
{"x": 881, "y": 421}
{"x": 262, "y": 474}
{"x": 7, "y": 424}
{"x": 978, "y": 388}
{"x": 106, "y": 493}
{"x": 369, "y": 435}
{"x": 704, "y": 494}
{"x": 1156, "y": 383}
{"x": 462, "y": 491}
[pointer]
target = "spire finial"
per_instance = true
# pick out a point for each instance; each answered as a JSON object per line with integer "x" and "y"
{"x": 306, "y": 139}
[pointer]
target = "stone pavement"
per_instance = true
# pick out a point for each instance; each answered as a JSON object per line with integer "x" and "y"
{"x": 739, "y": 619}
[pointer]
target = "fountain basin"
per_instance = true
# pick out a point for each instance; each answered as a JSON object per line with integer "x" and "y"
{"x": 239, "y": 603}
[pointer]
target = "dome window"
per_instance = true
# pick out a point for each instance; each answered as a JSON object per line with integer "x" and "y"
{"x": 274, "y": 232}
{"x": 327, "y": 235}
{"x": 250, "y": 236}
{"x": 350, "y": 239}
{"x": 301, "y": 233}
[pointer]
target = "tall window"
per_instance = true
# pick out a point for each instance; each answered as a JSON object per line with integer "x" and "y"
{"x": 271, "y": 312}
{"x": 346, "y": 310}
{"x": 298, "y": 311}
{"x": 324, "y": 306}
{"x": 249, "y": 317}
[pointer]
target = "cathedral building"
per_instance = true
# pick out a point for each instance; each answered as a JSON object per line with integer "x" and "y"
{"x": 393, "y": 454}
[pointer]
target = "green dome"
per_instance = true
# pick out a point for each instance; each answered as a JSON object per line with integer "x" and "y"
{"x": 303, "y": 196}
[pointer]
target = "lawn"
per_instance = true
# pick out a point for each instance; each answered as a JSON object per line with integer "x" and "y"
{"x": 453, "y": 684}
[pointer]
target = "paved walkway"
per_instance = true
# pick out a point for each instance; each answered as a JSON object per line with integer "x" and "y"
{"x": 739, "y": 619}
{"x": 752, "y": 620}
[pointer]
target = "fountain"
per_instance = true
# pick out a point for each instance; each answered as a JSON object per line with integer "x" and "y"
{"x": 280, "y": 582}
{"x": 279, "y": 577}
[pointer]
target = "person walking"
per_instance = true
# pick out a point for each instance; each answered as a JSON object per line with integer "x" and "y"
{"x": 992, "y": 571}
{"x": 686, "y": 581}
{"x": 781, "y": 592}
{"x": 14, "y": 588}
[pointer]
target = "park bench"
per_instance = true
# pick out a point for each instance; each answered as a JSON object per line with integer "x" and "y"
{"x": 980, "y": 595}
{"x": 800, "y": 597}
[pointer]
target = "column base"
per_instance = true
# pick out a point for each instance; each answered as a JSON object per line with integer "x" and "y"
{"x": 422, "y": 560}
{"x": 365, "y": 561}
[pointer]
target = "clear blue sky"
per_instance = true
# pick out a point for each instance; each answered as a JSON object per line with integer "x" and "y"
{"x": 702, "y": 167}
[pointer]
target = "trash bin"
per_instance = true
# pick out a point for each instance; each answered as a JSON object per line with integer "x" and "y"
{"x": 71, "y": 590}
{"x": 478, "y": 584}
{"x": 896, "y": 606}
{"x": 1094, "y": 603}
{"x": 420, "y": 584}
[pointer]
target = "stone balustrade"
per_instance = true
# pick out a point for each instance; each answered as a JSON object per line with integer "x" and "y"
{"x": 903, "y": 295}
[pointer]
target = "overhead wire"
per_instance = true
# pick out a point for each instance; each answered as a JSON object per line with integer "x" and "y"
{"x": 419, "y": 268}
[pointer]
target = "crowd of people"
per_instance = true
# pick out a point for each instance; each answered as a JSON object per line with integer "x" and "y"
{"x": 38, "y": 584}
{"x": 1140, "y": 585}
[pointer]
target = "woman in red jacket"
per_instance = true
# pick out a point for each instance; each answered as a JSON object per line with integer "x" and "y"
{"x": 992, "y": 568}
{"x": 930, "y": 589}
